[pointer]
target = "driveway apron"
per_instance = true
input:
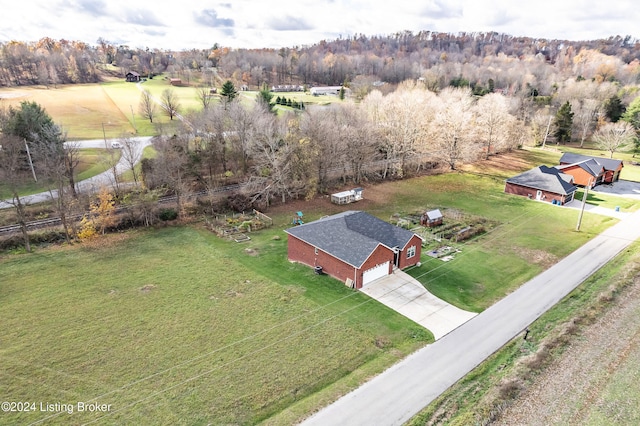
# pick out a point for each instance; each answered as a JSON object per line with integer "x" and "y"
{"x": 405, "y": 295}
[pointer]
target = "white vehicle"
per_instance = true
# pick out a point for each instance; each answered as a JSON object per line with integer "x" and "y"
{"x": 116, "y": 145}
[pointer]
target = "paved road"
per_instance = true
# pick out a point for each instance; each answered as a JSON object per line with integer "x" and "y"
{"x": 94, "y": 183}
{"x": 399, "y": 393}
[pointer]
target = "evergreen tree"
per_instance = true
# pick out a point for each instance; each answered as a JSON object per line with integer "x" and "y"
{"x": 564, "y": 122}
{"x": 632, "y": 114}
{"x": 228, "y": 91}
{"x": 614, "y": 109}
{"x": 264, "y": 98}
{"x": 32, "y": 123}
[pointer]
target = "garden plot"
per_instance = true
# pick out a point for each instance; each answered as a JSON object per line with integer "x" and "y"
{"x": 444, "y": 253}
{"x": 235, "y": 227}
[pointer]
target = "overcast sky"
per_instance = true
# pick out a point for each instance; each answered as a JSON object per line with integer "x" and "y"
{"x": 187, "y": 24}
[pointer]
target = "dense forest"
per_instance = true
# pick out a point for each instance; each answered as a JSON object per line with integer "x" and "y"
{"x": 511, "y": 63}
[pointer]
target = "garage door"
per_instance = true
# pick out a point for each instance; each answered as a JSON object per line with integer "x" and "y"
{"x": 375, "y": 273}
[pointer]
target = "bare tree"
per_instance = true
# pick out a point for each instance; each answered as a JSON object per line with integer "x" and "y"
{"x": 320, "y": 148}
{"x": 147, "y": 106}
{"x": 170, "y": 103}
{"x": 53, "y": 161}
{"x": 584, "y": 119}
{"x": 242, "y": 121}
{"x": 360, "y": 138}
{"x": 453, "y": 134}
{"x": 203, "y": 93}
{"x": 272, "y": 154}
{"x": 131, "y": 154}
{"x": 541, "y": 126}
{"x": 12, "y": 174}
{"x": 403, "y": 118}
{"x": 110, "y": 160}
{"x": 171, "y": 167}
{"x": 71, "y": 152}
{"x": 493, "y": 121}
{"x": 614, "y": 137}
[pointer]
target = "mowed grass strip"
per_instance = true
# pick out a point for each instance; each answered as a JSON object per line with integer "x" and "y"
{"x": 177, "y": 326}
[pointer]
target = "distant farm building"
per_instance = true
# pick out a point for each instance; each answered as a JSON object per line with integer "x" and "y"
{"x": 132, "y": 76}
{"x": 287, "y": 88}
{"x": 543, "y": 184}
{"x": 346, "y": 197}
{"x": 431, "y": 218}
{"x": 175, "y": 81}
{"x": 326, "y": 90}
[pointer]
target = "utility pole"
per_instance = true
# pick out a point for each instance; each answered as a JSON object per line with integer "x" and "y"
{"x": 133, "y": 118}
{"x": 33, "y": 171}
{"x": 104, "y": 135}
{"x": 584, "y": 201}
{"x": 546, "y": 133}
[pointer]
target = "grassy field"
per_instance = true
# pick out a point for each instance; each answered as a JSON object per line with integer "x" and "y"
{"x": 91, "y": 111}
{"x": 178, "y": 326}
{"x": 81, "y": 109}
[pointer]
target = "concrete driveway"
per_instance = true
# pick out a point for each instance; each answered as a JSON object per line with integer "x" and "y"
{"x": 622, "y": 188}
{"x": 405, "y": 295}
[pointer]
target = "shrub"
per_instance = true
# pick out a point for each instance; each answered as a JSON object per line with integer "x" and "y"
{"x": 168, "y": 214}
{"x": 239, "y": 202}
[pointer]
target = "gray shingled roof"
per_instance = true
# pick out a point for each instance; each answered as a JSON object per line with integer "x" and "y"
{"x": 434, "y": 214}
{"x": 351, "y": 236}
{"x": 546, "y": 179}
{"x": 607, "y": 163}
{"x": 591, "y": 166}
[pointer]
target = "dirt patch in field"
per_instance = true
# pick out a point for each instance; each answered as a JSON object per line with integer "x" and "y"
{"x": 251, "y": 252}
{"x": 374, "y": 195}
{"x": 148, "y": 288}
{"x": 538, "y": 257}
{"x": 572, "y": 390}
{"x": 13, "y": 95}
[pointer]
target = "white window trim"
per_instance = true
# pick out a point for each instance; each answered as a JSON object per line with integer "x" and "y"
{"x": 411, "y": 252}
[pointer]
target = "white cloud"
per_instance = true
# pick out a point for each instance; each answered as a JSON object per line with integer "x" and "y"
{"x": 280, "y": 23}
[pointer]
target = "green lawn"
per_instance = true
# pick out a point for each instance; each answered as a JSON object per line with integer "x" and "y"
{"x": 481, "y": 395}
{"x": 529, "y": 236}
{"x": 91, "y": 163}
{"x": 178, "y": 326}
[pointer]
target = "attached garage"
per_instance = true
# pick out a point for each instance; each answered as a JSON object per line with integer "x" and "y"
{"x": 375, "y": 273}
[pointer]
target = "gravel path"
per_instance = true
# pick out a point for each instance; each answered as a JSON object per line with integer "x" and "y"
{"x": 573, "y": 389}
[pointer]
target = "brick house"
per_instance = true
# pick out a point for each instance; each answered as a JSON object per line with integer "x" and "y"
{"x": 353, "y": 247}
{"x": 544, "y": 184}
{"x": 585, "y": 173}
{"x": 570, "y": 162}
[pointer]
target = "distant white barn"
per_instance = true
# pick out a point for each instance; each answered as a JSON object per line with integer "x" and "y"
{"x": 325, "y": 90}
